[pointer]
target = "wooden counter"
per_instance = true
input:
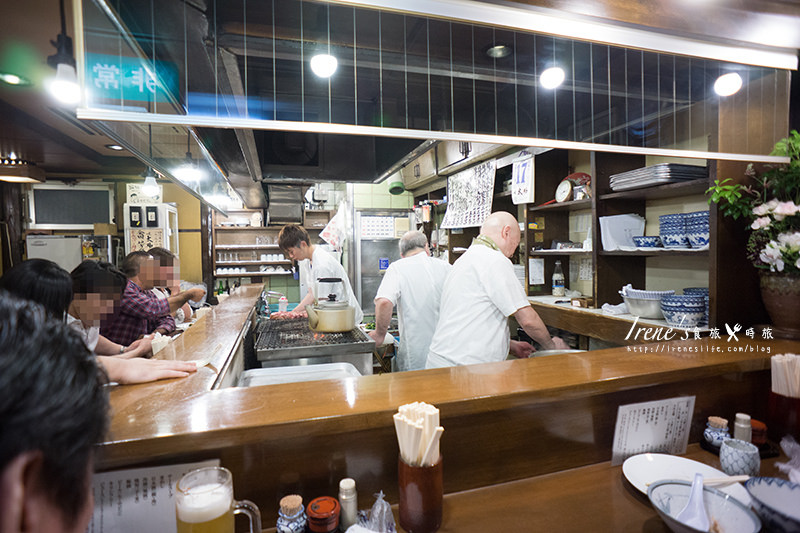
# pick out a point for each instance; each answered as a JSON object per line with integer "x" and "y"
{"x": 503, "y": 421}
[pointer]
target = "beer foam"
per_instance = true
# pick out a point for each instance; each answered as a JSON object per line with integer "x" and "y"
{"x": 204, "y": 503}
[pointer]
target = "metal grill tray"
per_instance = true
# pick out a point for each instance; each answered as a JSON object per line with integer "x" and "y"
{"x": 285, "y": 339}
{"x": 656, "y": 175}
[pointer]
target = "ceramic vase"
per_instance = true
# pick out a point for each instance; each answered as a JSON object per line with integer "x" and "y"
{"x": 781, "y": 296}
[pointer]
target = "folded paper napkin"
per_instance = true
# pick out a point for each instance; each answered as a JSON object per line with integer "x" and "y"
{"x": 619, "y": 309}
{"x": 792, "y": 451}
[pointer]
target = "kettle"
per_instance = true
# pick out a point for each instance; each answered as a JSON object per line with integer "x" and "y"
{"x": 331, "y": 315}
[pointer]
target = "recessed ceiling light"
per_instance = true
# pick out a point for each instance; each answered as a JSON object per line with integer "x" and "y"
{"x": 115, "y": 147}
{"x": 13, "y": 79}
{"x": 499, "y": 51}
{"x": 728, "y": 84}
{"x": 552, "y": 77}
{"x": 324, "y": 65}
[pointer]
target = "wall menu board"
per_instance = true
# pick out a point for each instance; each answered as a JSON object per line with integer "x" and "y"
{"x": 145, "y": 239}
{"x": 469, "y": 196}
{"x": 63, "y": 207}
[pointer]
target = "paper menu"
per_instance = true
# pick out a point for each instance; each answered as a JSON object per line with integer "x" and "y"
{"x": 140, "y": 499}
{"x": 535, "y": 271}
{"x": 659, "y": 426}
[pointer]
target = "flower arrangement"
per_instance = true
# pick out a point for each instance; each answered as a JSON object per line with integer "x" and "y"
{"x": 770, "y": 202}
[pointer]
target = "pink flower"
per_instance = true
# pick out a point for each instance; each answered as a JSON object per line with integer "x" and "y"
{"x": 760, "y": 223}
{"x": 785, "y": 209}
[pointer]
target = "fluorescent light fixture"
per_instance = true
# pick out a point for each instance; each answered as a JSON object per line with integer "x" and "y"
{"x": 323, "y": 65}
{"x": 64, "y": 87}
{"x": 115, "y": 147}
{"x": 150, "y": 187}
{"x": 220, "y": 201}
{"x": 13, "y": 79}
{"x": 728, "y": 84}
{"x": 188, "y": 172}
{"x": 552, "y": 77}
{"x": 20, "y": 171}
{"x": 499, "y": 51}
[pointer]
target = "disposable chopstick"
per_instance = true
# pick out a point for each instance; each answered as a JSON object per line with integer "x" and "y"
{"x": 418, "y": 433}
{"x": 714, "y": 480}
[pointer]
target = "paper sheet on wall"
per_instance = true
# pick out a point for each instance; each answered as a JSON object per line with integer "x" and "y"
{"x": 140, "y": 499}
{"x": 145, "y": 239}
{"x": 535, "y": 271}
{"x": 469, "y": 196}
{"x": 660, "y": 426}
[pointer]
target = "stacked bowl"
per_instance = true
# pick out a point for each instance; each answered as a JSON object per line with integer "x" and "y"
{"x": 683, "y": 310}
{"x": 699, "y": 291}
{"x": 697, "y": 228}
{"x": 644, "y": 304}
{"x": 672, "y": 230}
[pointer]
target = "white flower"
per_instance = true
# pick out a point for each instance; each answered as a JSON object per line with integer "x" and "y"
{"x": 772, "y": 256}
{"x": 790, "y": 240}
{"x": 761, "y": 210}
{"x": 786, "y": 209}
{"x": 760, "y": 223}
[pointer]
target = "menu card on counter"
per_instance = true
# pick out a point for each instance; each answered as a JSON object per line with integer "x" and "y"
{"x": 141, "y": 499}
{"x": 661, "y": 426}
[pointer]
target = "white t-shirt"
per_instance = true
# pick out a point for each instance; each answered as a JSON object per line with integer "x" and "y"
{"x": 414, "y": 284}
{"x": 479, "y": 295}
{"x": 90, "y": 335}
{"x": 324, "y": 265}
{"x": 162, "y": 294}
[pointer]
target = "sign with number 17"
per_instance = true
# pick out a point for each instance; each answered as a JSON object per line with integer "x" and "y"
{"x": 522, "y": 191}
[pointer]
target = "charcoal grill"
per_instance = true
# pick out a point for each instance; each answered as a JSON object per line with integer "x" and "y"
{"x": 291, "y": 342}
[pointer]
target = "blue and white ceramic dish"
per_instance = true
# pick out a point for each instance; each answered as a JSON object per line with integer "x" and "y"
{"x": 648, "y": 241}
{"x": 676, "y": 239}
{"x": 715, "y": 436}
{"x": 669, "y": 497}
{"x": 644, "y": 295}
{"x": 684, "y": 311}
{"x": 777, "y": 502}
{"x": 699, "y": 291}
{"x": 686, "y": 300}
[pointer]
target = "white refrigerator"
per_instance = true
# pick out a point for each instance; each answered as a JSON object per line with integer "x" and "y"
{"x": 64, "y": 250}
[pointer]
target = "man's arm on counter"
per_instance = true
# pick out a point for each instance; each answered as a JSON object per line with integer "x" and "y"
{"x": 175, "y": 302}
{"x": 383, "y": 315}
{"x": 529, "y": 320}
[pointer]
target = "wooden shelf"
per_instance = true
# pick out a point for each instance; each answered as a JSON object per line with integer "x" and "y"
{"x": 246, "y": 247}
{"x": 655, "y": 253}
{"x": 243, "y": 228}
{"x": 573, "y": 205}
{"x": 252, "y": 274}
{"x": 254, "y": 263}
{"x": 577, "y": 251}
{"x": 671, "y": 190}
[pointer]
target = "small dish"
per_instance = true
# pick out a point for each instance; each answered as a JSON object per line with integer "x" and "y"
{"x": 653, "y": 241}
{"x": 726, "y": 513}
{"x": 775, "y": 501}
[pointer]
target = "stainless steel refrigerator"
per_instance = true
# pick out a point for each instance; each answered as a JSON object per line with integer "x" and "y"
{"x": 377, "y": 245}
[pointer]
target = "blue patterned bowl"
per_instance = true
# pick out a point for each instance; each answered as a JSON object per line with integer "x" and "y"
{"x": 685, "y": 300}
{"x": 669, "y": 497}
{"x": 674, "y": 218}
{"x": 696, "y": 291}
{"x": 648, "y": 242}
{"x": 674, "y": 239}
{"x": 682, "y": 317}
{"x": 777, "y": 502}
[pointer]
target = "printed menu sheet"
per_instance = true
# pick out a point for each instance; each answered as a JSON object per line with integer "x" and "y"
{"x": 141, "y": 499}
{"x": 661, "y": 426}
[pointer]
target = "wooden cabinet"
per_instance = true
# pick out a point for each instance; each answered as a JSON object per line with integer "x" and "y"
{"x": 245, "y": 251}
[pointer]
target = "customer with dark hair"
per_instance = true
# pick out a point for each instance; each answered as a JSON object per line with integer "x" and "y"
{"x": 170, "y": 281}
{"x": 97, "y": 286}
{"x": 53, "y": 410}
{"x": 140, "y": 312}
{"x": 315, "y": 263}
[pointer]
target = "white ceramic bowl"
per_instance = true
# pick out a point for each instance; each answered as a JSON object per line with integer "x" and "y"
{"x": 644, "y": 307}
{"x": 777, "y": 502}
{"x": 670, "y": 496}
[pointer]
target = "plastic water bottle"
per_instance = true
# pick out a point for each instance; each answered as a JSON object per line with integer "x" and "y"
{"x": 558, "y": 280}
{"x": 283, "y": 304}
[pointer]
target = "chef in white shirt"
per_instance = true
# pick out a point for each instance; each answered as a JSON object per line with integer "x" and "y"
{"x": 479, "y": 295}
{"x": 414, "y": 284}
{"x": 315, "y": 263}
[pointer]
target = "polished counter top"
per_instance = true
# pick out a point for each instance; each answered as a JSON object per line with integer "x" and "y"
{"x": 154, "y": 420}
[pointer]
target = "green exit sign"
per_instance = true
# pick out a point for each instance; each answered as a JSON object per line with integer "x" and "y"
{"x": 125, "y": 78}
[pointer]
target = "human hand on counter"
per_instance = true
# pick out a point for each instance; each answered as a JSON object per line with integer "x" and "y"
{"x": 139, "y": 348}
{"x": 559, "y": 344}
{"x": 127, "y": 371}
{"x": 521, "y": 349}
{"x": 379, "y": 339}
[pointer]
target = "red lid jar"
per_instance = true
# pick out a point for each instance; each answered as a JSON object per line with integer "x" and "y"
{"x": 323, "y": 514}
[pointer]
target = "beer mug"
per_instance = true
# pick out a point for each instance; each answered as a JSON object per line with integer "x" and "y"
{"x": 204, "y": 503}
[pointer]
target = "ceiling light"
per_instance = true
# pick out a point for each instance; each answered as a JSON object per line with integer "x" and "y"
{"x": 552, "y": 77}
{"x": 323, "y": 65}
{"x": 64, "y": 87}
{"x": 150, "y": 186}
{"x": 20, "y": 171}
{"x": 13, "y": 79}
{"x": 728, "y": 84}
{"x": 499, "y": 51}
{"x": 115, "y": 147}
{"x": 188, "y": 172}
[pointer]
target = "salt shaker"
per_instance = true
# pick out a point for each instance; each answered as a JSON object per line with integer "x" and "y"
{"x": 283, "y": 304}
{"x": 742, "y": 429}
{"x": 348, "y": 500}
{"x": 291, "y": 516}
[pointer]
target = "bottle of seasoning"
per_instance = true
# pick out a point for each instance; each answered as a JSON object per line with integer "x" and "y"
{"x": 291, "y": 516}
{"x": 283, "y": 304}
{"x": 348, "y": 500}
{"x": 558, "y": 281}
{"x": 741, "y": 427}
{"x": 323, "y": 515}
{"x": 716, "y": 431}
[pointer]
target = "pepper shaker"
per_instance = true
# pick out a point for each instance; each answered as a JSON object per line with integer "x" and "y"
{"x": 742, "y": 429}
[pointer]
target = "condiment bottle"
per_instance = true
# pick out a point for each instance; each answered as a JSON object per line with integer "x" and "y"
{"x": 283, "y": 304}
{"x": 291, "y": 516}
{"x": 323, "y": 515}
{"x": 716, "y": 431}
{"x": 348, "y": 500}
{"x": 558, "y": 281}
{"x": 741, "y": 428}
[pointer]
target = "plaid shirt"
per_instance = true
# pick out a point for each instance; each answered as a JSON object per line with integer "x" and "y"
{"x": 139, "y": 313}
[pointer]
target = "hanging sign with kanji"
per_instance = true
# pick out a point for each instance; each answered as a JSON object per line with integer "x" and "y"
{"x": 127, "y": 79}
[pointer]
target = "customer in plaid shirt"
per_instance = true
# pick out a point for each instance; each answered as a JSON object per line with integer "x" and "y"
{"x": 140, "y": 312}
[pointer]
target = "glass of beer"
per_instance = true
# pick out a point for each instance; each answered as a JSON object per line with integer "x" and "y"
{"x": 204, "y": 503}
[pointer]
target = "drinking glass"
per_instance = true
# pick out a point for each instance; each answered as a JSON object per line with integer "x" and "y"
{"x": 204, "y": 503}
